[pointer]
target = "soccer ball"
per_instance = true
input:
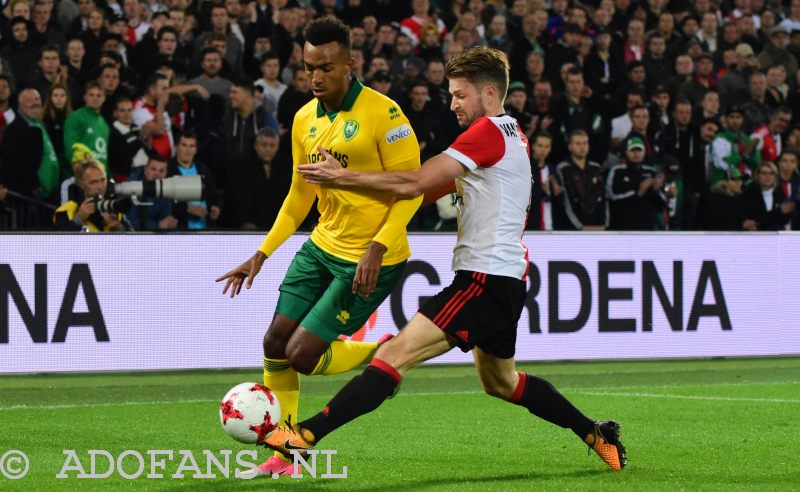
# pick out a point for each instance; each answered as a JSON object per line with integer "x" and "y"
{"x": 250, "y": 413}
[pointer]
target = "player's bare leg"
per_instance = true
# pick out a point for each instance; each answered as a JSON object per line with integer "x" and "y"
{"x": 501, "y": 380}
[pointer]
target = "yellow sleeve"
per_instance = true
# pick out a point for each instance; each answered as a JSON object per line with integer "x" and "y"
{"x": 399, "y": 150}
{"x": 297, "y": 202}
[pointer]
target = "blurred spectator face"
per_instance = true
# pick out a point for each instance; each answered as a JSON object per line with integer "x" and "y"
{"x": 109, "y": 80}
{"x": 542, "y": 91}
{"x": 657, "y": 47}
{"x": 746, "y": 26}
{"x": 30, "y": 104}
{"x": 370, "y": 25}
{"x": 637, "y": 75}
{"x": 5, "y": 91}
{"x": 788, "y": 163}
{"x": 266, "y": 148}
{"x": 780, "y": 122}
{"x": 498, "y": 26}
{"x": 382, "y": 86}
{"x": 212, "y": 64}
{"x": 234, "y": 8}
{"x": 240, "y": 98}
{"x": 758, "y": 85}
{"x": 730, "y": 33}
{"x": 603, "y": 42}
{"x": 358, "y": 36}
{"x": 464, "y": 37}
{"x": 158, "y": 90}
{"x": 530, "y": 26}
{"x": 541, "y": 18}
{"x": 768, "y": 20}
{"x": 358, "y": 61}
{"x": 41, "y": 14}
{"x": 453, "y": 48}
{"x": 535, "y": 65}
{"x": 378, "y": 63}
{"x": 155, "y": 169}
{"x": 793, "y": 140}
{"x": 795, "y": 9}
{"x": 690, "y": 27}
{"x": 518, "y": 8}
{"x": 661, "y": 100}
{"x": 684, "y": 65}
{"x": 168, "y": 44}
{"x": 734, "y": 121}
{"x": 430, "y": 36}
{"x": 58, "y": 98}
{"x": 601, "y": 17}
{"x": 635, "y": 31}
{"x": 187, "y": 149}
{"x": 710, "y": 102}
{"x": 517, "y": 100}
{"x": 49, "y": 62}
{"x": 541, "y": 149}
{"x": 563, "y": 71}
{"x": 476, "y": 7}
{"x": 703, "y": 67}
{"x": 386, "y": 35}
{"x": 559, "y": 6}
{"x": 301, "y": 81}
{"x": 578, "y": 147}
{"x": 632, "y": 101}
{"x": 262, "y": 45}
{"x": 435, "y": 73}
{"x": 640, "y": 120}
{"x": 85, "y": 7}
{"x": 402, "y": 46}
{"x": 21, "y": 9}
{"x": 709, "y": 23}
{"x": 124, "y": 112}
{"x": 776, "y": 76}
{"x": 575, "y": 86}
{"x": 118, "y": 26}
{"x": 95, "y": 21}
{"x": 420, "y": 7}
{"x": 270, "y": 68}
{"x": 418, "y": 96}
{"x": 219, "y": 19}
{"x": 20, "y": 32}
{"x": 176, "y": 19}
{"x": 578, "y": 16}
{"x": 93, "y": 182}
{"x": 75, "y": 51}
{"x": 111, "y": 45}
{"x": 708, "y": 131}
{"x": 130, "y": 8}
{"x": 666, "y": 23}
{"x": 221, "y": 46}
{"x": 94, "y": 98}
{"x": 585, "y": 46}
{"x": 683, "y": 114}
{"x": 634, "y": 156}
{"x": 766, "y": 177}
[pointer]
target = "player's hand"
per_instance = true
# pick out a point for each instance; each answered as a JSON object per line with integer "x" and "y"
{"x": 247, "y": 270}
{"x": 368, "y": 269}
{"x": 326, "y": 172}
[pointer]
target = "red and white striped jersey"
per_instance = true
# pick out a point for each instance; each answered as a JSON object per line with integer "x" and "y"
{"x": 492, "y": 197}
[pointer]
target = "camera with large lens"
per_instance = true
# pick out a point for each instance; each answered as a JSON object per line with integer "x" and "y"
{"x": 178, "y": 188}
{"x": 112, "y": 205}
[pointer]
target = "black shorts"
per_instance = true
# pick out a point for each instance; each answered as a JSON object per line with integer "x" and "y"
{"x": 481, "y": 310}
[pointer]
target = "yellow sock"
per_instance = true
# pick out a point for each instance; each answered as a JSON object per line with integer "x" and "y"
{"x": 285, "y": 383}
{"x": 344, "y": 355}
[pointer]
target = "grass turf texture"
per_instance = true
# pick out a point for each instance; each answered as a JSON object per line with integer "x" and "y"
{"x": 688, "y": 425}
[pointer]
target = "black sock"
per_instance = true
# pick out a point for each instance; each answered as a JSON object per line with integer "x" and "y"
{"x": 360, "y": 396}
{"x": 543, "y": 400}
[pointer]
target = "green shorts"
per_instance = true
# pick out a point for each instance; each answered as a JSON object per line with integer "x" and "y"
{"x": 317, "y": 291}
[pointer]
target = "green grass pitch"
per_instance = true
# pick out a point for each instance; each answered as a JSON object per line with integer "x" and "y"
{"x": 688, "y": 425}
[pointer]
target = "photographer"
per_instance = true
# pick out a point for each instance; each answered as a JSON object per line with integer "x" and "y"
{"x": 80, "y": 212}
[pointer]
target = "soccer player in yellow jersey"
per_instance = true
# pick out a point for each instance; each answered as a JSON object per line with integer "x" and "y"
{"x": 356, "y": 254}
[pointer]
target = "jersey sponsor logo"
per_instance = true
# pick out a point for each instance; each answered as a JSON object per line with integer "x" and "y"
{"x": 317, "y": 157}
{"x": 343, "y": 317}
{"x": 398, "y": 133}
{"x": 312, "y": 132}
{"x": 350, "y": 129}
{"x": 394, "y": 113}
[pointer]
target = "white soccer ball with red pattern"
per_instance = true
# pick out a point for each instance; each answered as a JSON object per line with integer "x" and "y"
{"x": 250, "y": 413}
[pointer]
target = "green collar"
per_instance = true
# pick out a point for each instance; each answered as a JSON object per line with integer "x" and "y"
{"x": 347, "y": 103}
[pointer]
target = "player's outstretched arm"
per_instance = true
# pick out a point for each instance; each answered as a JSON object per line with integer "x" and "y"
{"x": 247, "y": 270}
{"x": 435, "y": 173}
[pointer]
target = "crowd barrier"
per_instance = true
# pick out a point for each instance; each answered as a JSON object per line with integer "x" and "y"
{"x": 146, "y": 302}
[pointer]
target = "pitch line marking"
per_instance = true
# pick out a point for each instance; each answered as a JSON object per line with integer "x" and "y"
{"x": 688, "y": 397}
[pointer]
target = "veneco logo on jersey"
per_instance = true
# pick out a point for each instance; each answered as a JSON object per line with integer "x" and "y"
{"x": 398, "y": 133}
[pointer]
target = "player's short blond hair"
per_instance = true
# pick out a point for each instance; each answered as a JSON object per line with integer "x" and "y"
{"x": 480, "y": 66}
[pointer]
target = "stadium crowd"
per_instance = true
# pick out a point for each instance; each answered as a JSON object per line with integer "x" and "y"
{"x": 641, "y": 115}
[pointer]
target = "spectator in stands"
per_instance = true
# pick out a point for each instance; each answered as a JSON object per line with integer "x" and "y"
{"x": 149, "y": 114}
{"x": 437, "y": 85}
{"x": 81, "y": 22}
{"x": 138, "y": 26}
{"x": 404, "y": 64}
{"x": 242, "y": 122}
{"x": 50, "y": 71}
{"x": 167, "y": 41}
{"x": 575, "y": 111}
{"x": 657, "y": 65}
{"x": 27, "y": 150}
{"x": 19, "y": 50}
{"x": 271, "y": 87}
{"x": 545, "y": 189}
{"x": 769, "y": 136}
{"x": 735, "y": 155}
{"x": 220, "y": 25}
{"x": 565, "y": 50}
{"x": 516, "y": 106}
{"x": 87, "y": 126}
{"x": 733, "y": 85}
{"x": 259, "y": 180}
{"x": 756, "y": 106}
{"x": 57, "y": 107}
{"x": 157, "y": 215}
{"x": 195, "y": 214}
{"x": 709, "y": 106}
{"x": 211, "y": 80}
{"x": 635, "y": 191}
{"x": 777, "y": 53}
{"x": 777, "y": 90}
{"x": 294, "y": 98}
{"x": 92, "y": 38}
{"x": 75, "y": 65}
{"x": 788, "y": 176}
{"x": 109, "y": 81}
{"x": 45, "y": 31}
{"x": 766, "y": 208}
{"x": 422, "y": 120}
{"x": 621, "y": 125}
{"x": 80, "y": 212}
{"x": 583, "y": 198}
{"x": 413, "y": 26}
{"x": 126, "y": 152}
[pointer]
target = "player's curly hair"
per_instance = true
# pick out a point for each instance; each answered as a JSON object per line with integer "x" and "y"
{"x": 326, "y": 30}
{"x": 480, "y": 66}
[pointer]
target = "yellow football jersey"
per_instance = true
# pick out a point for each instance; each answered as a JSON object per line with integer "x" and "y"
{"x": 369, "y": 133}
